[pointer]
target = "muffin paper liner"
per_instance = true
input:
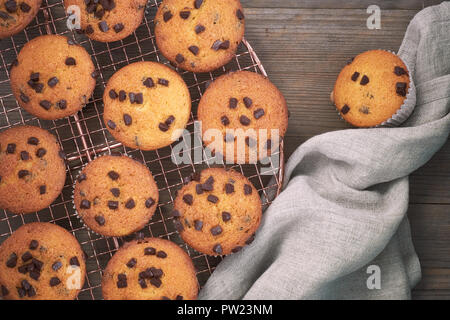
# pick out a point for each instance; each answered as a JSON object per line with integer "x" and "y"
{"x": 405, "y": 110}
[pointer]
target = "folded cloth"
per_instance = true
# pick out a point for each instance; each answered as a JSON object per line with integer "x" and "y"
{"x": 339, "y": 228}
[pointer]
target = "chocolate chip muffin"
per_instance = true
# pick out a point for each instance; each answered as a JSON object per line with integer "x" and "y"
{"x": 371, "y": 88}
{"x": 52, "y": 77}
{"x": 247, "y": 110}
{"x": 109, "y": 20}
{"x": 32, "y": 169}
{"x": 115, "y": 195}
{"x": 200, "y": 35}
{"x": 151, "y": 269}
{"x": 146, "y": 105}
{"x": 41, "y": 261}
{"x": 218, "y": 212}
{"x": 16, "y": 15}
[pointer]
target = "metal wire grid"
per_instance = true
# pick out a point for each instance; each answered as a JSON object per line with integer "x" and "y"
{"x": 84, "y": 137}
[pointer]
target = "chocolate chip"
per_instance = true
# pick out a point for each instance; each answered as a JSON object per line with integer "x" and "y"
{"x": 122, "y": 283}
{"x": 247, "y": 189}
{"x": 52, "y": 82}
{"x": 25, "y": 285}
{"x": 199, "y": 189}
{"x": 45, "y": 104}
{"x": 163, "y": 127}
{"x": 258, "y": 113}
{"x": 4, "y": 291}
{"x": 11, "y": 148}
{"x": 147, "y": 274}
{"x": 161, "y": 254}
{"x": 70, "y": 61}
{"x": 149, "y": 202}
{"x": 132, "y": 263}
{"x": 399, "y": 71}
{"x": 188, "y": 199}
{"x": 233, "y": 103}
{"x": 74, "y": 261}
{"x": 35, "y": 76}
{"x": 364, "y": 80}
{"x": 100, "y": 220}
{"x": 167, "y": 16}
{"x": 113, "y": 175}
{"x": 139, "y": 98}
{"x": 244, "y": 120}
{"x": 225, "y": 121}
{"x": 226, "y": 216}
{"x": 38, "y": 87}
{"x": 199, "y": 28}
{"x": 24, "y": 155}
{"x": 113, "y": 205}
{"x": 178, "y": 297}
{"x": 23, "y": 173}
{"x": 149, "y": 251}
{"x": 113, "y": 94}
{"x": 364, "y": 110}
{"x": 21, "y": 292}
{"x": 127, "y": 119}
{"x": 157, "y": 273}
{"x": 209, "y": 184}
{"x": 185, "y": 14}
{"x": 198, "y": 4}
{"x": 401, "y": 88}
{"x": 99, "y": 13}
{"x": 81, "y": 177}
{"x": 132, "y": 96}
{"x": 27, "y": 256}
{"x": 95, "y": 74}
{"x": 85, "y": 204}
{"x": 118, "y": 27}
{"x": 34, "y": 244}
{"x": 178, "y": 225}
{"x": 122, "y": 95}
{"x": 169, "y": 120}
{"x": 130, "y": 204}
{"x": 212, "y": 198}
{"x": 163, "y": 82}
{"x": 54, "y": 281}
{"x": 240, "y": 14}
{"x": 236, "y": 249}
{"x": 12, "y": 261}
{"x": 115, "y": 192}
{"x": 216, "y": 45}
{"x": 345, "y": 109}
{"x": 89, "y": 29}
{"x": 248, "y": 102}
{"x": 155, "y": 282}
{"x": 24, "y": 97}
{"x": 198, "y": 225}
{"x": 42, "y": 189}
{"x": 142, "y": 283}
{"x": 33, "y": 141}
{"x": 215, "y": 231}
{"x": 194, "y": 50}
{"x": 11, "y": 6}
{"x": 103, "y": 26}
{"x": 111, "y": 124}
{"x": 251, "y": 239}
{"x": 37, "y": 264}
{"x": 229, "y": 188}
{"x": 25, "y": 7}
{"x": 5, "y": 16}
{"x": 41, "y": 152}
{"x": 355, "y": 76}
{"x": 218, "y": 249}
{"x": 149, "y": 83}
{"x": 61, "y": 104}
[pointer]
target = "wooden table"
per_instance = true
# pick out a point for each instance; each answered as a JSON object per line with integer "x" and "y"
{"x": 303, "y": 46}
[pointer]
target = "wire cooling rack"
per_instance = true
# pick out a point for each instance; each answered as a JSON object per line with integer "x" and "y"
{"x": 84, "y": 137}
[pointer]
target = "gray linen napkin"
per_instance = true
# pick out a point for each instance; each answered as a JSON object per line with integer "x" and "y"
{"x": 344, "y": 204}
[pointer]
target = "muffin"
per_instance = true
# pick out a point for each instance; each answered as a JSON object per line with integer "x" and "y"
{"x": 15, "y": 15}
{"x": 199, "y": 36}
{"x": 109, "y": 20}
{"x": 53, "y": 77}
{"x": 115, "y": 195}
{"x": 248, "y": 111}
{"x": 32, "y": 169}
{"x": 152, "y": 269}
{"x": 372, "y": 88}
{"x": 41, "y": 261}
{"x": 147, "y": 105}
{"x": 218, "y": 212}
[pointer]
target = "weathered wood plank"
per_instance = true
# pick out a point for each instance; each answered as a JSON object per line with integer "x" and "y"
{"x": 348, "y": 4}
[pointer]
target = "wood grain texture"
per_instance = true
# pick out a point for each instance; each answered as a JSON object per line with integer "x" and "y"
{"x": 303, "y": 46}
